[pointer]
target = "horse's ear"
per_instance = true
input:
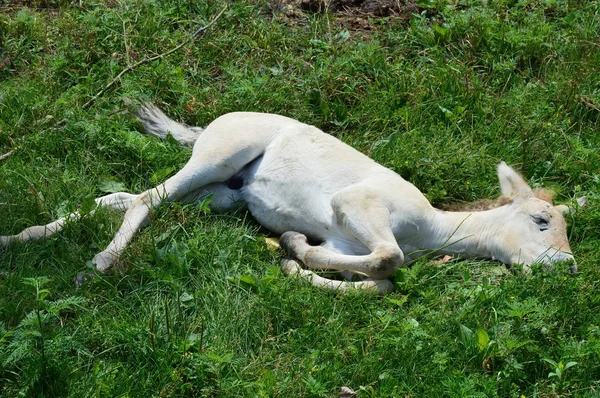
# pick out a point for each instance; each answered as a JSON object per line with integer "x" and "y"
{"x": 564, "y": 209}
{"x": 570, "y": 210}
{"x": 512, "y": 184}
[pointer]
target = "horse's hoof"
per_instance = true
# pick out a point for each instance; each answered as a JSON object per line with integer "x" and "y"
{"x": 104, "y": 260}
{"x": 83, "y": 277}
{"x": 6, "y": 240}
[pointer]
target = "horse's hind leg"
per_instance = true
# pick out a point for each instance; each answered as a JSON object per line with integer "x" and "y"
{"x": 223, "y": 198}
{"x": 220, "y": 155}
{"x": 118, "y": 201}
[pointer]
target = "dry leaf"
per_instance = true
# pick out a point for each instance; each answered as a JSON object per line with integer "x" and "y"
{"x": 272, "y": 244}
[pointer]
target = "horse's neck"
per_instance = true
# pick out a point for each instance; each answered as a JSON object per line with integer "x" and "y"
{"x": 468, "y": 234}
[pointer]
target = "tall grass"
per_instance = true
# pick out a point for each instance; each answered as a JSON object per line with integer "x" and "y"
{"x": 197, "y": 306}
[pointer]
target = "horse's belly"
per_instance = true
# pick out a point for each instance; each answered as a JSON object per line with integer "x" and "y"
{"x": 290, "y": 187}
{"x": 286, "y": 207}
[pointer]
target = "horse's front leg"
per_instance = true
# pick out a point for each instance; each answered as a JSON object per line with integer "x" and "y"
{"x": 364, "y": 218}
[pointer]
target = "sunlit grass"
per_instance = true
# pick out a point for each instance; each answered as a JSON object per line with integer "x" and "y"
{"x": 197, "y": 306}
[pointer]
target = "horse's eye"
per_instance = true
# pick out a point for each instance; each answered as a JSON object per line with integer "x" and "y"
{"x": 541, "y": 221}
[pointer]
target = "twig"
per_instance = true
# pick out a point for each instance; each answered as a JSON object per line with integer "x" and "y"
{"x": 60, "y": 123}
{"x": 127, "y": 50}
{"x": 6, "y": 155}
{"x": 589, "y": 102}
{"x": 152, "y": 59}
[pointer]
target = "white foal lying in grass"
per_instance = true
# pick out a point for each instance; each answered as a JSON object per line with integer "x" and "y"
{"x": 300, "y": 182}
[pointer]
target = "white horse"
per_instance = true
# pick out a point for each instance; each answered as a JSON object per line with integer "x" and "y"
{"x": 304, "y": 184}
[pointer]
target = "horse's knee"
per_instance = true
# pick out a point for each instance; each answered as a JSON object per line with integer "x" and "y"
{"x": 294, "y": 243}
{"x": 387, "y": 259}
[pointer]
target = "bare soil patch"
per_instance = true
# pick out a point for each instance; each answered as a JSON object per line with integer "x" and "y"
{"x": 352, "y": 14}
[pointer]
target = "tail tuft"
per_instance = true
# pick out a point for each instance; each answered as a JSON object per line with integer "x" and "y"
{"x": 156, "y": 123}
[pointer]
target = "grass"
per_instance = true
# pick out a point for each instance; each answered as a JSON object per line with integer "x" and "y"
{"x": 198, "y": 306}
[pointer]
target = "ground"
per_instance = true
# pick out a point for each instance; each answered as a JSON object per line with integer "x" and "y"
{"x": 355, "y": 15}
{"x": 356, "y": 8}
